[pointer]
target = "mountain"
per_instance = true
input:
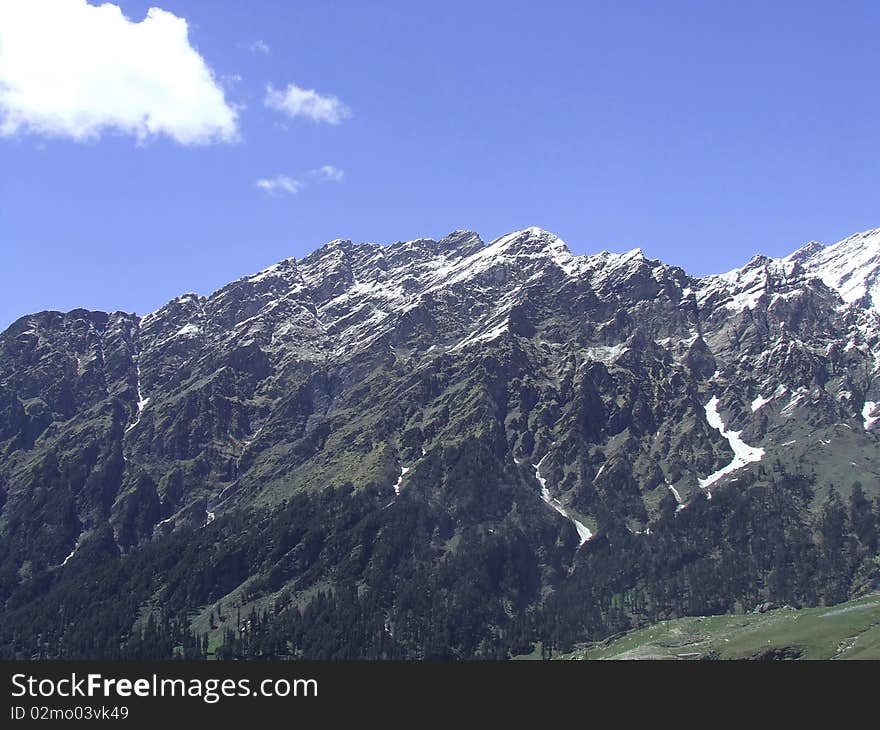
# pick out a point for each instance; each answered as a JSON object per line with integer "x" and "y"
{"x": 448, "y": 447}
{"x": 851, "y": 267}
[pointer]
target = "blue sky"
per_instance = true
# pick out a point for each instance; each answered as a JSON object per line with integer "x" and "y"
{"x": 703, "y": 132}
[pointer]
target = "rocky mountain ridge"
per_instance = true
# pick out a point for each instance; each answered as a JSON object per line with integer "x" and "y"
{"x": 209, "y": 396}
{"x": 494, "y": 385}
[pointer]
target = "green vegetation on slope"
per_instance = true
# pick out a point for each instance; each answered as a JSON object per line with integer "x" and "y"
{"x": 850, "y": 630}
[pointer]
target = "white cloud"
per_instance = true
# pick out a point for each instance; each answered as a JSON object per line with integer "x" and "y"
{"x": 259, "y": 46}
{"x": 328, "y": 173}
{"x": 71, "y": 69}
{"x": 308, "y": 103}
{"x": 280, "y": 184}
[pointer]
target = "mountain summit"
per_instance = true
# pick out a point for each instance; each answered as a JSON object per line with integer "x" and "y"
{"x": 852, "y": 267}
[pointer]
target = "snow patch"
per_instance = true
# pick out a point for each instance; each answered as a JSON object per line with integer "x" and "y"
{"x": 75, "y": 548}
{"x": 399, "y": 482}
{"x": 679, "y": 501}
{"x": 792, "y": 404}
{"x": 583, "y": 531}
{"x": 606, "y": 353}
{"x": 477, "y": 336}
{"x": 867, "y": 414}
{"x": 188, "y": 330}
{"x": 743, "y": 454}
{"x": 141, "y": 401}
{"x": 758, "y": 402}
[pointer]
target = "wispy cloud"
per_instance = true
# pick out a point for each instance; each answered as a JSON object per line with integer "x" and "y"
{"x": 307, "y": 103}
{"x": 280, "y": 184}
{"x": 328, "y": 173}
{"x": 259, "y": 46}
{"x": 77, "y": 70}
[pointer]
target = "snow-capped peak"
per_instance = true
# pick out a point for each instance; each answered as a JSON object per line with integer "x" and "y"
{"x": 283, "y": 269}
{"x": 742, "y": 289}
{"x": 530, "y": 243}
{"x": 609, "y": 260}
{"x": 461, "y": 242}
{"x": 851, "y": 266}
{"x": 805, "y": 252}
{"x": 532, "y": 239}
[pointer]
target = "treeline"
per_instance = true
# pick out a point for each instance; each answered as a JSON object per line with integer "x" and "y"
{"x": 402, "y": 581}
{"x": 344, "y": 575}
{"x": 754, "y": 542}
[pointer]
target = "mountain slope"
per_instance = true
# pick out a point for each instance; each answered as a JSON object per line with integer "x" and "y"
{"x": 850, "y": 630}
{"x": 851, "y": 267}
{"x": 507, "y": 396}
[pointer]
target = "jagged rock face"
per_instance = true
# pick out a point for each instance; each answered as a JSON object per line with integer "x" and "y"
{"x": 380, "y": 366}
{"x": 851, "y": 267}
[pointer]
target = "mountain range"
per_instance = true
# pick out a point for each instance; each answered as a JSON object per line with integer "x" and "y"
{"x": 440, "y": 448}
